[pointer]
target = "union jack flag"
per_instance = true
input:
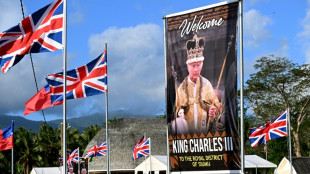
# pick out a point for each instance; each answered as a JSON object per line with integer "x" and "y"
{"x": 84, "y": 81}
{"x": 97, "y": 150}
{"x": 39, "y": 32}
{"x": 141, "y": 149}
{"x": 61, "y": 159}
{"x": 271, "y": 130}
{"x": 73, "y": 157}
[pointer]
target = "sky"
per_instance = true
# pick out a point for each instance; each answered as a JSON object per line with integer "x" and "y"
{"x": 134, "y": 33}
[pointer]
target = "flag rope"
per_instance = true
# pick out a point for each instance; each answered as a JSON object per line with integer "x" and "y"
{"x": 33, "y": 71}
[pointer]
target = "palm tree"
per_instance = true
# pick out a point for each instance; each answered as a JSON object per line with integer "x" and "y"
{"x": 86, "y": 136}
{"x": 48, "y": 144}
{"x": 26, "y": 154}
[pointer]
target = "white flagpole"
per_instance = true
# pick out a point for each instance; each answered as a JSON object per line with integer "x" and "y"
{"x": 150, "y": 157}
{"x": 266, "y": 149}
{"x": 12, "y": 165}
{"x": 289, "y": 137}
{"x": 106, "y": 118}
{"x": 64, "y": 40}
{"x": 12, "y": 160}
{"x": 79, "y": 160}
{"x": 241, "y": 83}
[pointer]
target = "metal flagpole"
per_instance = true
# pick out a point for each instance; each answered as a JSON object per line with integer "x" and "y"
{"x": 79, "y": 160}
{"x": 266, "y": 149}
{"x": 64, "y": 40}
{"x": 241, "y": 82}
{"x": 12, "y": 158}
{"x": 106, "y": 118}
{"x": 289, "y": 137}
{"x": 165, "y": 52}
{"x": 150, "y": 157}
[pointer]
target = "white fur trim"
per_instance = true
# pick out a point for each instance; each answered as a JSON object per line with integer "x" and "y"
{"x": 198, "y": 59}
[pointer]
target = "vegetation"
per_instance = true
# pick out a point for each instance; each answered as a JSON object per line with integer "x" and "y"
{"x": 43, "y": 149}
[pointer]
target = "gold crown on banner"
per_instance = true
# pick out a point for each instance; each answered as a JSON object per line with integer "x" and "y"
{"x": 195, "y": 49}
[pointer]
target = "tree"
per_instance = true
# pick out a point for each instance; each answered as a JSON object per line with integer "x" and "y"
{"x": 48, "y": 144}
{"x": 27, "y": 155}
{"x": 279, "y": 84}
{"x": 86, "y": 136}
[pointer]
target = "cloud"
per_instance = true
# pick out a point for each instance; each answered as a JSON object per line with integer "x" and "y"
{"x": 283, "y": 50}
{"x": 304, "y": 35}
{"x": 255, "y": 27}
{"x": 18, "y": 86}
{"x": 306, "y": 26}
{"x": 77, "y": 16}
{"x": 135, "y": 67}
{"x": 11, "y": 14}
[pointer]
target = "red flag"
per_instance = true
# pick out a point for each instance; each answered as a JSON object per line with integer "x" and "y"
{"x": 39, "y": 101}
{"x": 6, "y": 138}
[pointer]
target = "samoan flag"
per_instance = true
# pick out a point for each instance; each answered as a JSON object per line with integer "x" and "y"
{"x": 84, "y": 81}
{"x": 141, "y": 149}
{"x": 39, "y": 32}
{"x": 97, "y": 150}
{"x": 73, "y": 157}
{"x": 273, "y": 129}
{"x": 6, "y": 138}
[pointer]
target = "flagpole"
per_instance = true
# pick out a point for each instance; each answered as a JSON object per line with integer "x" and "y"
{"x": 64, "y": 40}
{"x": 106, "y": 117}
{"x": 266, "y": 149}
{"x": 12, "y": 158}
{"x": 241, "y": 83}
{"x": 78, "y": 160}
{"x": 289, "y": 137}
{"x": 150, "y": 157}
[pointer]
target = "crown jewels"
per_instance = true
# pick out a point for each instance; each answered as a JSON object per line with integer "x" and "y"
{"x": 195, "y": 49}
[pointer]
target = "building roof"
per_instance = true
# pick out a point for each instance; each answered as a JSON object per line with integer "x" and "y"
{"x": 301, "y": 164}
{"x": 159, "y": 163}
{"x": 254, "y": 161}
{"x": 46, "y": 170}
{"x": 124, "y": 133}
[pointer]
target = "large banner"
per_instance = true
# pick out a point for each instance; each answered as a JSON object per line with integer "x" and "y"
{"x": 201, "y": 66}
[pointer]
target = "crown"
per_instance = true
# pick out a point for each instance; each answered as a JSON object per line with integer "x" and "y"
{"x": 195, "y": 49}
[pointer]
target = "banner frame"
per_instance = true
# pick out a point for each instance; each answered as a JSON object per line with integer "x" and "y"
{"x": 200, "y": 8}
{"x": 166, "y": 83}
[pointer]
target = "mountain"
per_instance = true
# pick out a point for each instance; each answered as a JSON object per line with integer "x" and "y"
{"x": 78, "y": 122}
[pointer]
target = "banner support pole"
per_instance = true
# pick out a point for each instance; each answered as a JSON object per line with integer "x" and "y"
{"x": 241, "y": 83}
{"x": 166, "y": 97}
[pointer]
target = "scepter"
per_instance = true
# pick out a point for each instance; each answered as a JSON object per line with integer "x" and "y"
{"x": 220, "y": 77}
{"x": 174, "y": 74}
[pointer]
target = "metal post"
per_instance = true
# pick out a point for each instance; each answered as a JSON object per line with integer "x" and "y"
{"x": 79, "y": 171}
{"x": 106, "y": 118}
{"x": 165, "y": 52}
{"x": 241, "y": 82}
{"x": 12, "y": 165}
{"x": 64, "y": 40}
{"x": 266, "y": 150}
{"x": 150, "y": 157}
{"x": 289, "y": 137}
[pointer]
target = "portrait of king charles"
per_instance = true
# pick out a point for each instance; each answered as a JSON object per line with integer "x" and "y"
{"x": 196, "y": 102}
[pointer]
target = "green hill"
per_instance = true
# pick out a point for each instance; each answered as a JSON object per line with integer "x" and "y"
{"x": 79, "y": 122}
